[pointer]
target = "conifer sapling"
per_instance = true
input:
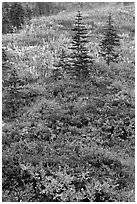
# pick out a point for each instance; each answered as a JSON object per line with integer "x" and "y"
{"x": 109, "y": 42}
{"x": 79, "y": 58}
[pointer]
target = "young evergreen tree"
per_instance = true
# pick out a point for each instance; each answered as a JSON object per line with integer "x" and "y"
{"x": 109, "y": 42}
{"x": 79, "y": 58}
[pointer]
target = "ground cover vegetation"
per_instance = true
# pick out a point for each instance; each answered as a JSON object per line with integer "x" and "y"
{"x": 68, "y": 102}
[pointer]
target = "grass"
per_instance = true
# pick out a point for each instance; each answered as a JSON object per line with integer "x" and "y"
{"x": 77, "y": 145}
{"x": 43, "y": 38}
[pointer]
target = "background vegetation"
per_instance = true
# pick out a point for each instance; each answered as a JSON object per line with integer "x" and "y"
{"x": 67, "y": 140}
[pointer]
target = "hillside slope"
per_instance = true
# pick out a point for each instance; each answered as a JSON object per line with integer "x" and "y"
{"x": 65, "y": 141}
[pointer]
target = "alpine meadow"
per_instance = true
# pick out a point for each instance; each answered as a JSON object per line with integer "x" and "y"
{"x": 68, "y": 102}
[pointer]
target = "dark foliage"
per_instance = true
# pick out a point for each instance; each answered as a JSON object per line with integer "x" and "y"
{"x": 28, "y": 12}
{"x": 14, "y": 16}
{"x": 109, "y": 42}
{"x": 80, "y": 59}
{"x": 69, "y": 140}
{"x": 17, "y": 15}
{"x": 6, "y": 22}
{"x": 43, "y": 8}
